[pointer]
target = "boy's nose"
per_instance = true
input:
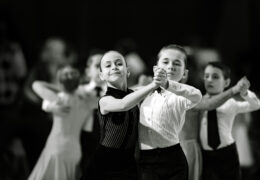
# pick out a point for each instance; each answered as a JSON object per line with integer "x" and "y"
{"x": 209, "y": 79}
{"x": 114, "y": 67}
{"x": 170, "y": 67}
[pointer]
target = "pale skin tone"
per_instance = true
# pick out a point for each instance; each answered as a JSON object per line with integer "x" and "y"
{"x": 92, "y": 70}
{"x": 49, "y": 92}
{"x": 215, "y": 82}
{"x": 114, "y": 73}
{"x": 218, "y": 96}
{"x": 172, "y": 61}
{"x": 173, "y": 70}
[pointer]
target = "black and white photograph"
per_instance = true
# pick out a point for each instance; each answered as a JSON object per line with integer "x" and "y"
{"x": 129, "y": 90}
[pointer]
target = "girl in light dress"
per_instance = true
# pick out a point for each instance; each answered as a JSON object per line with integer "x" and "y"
{"x": 61, "y": 156}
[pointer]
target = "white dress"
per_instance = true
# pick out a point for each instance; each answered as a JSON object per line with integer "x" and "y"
{"x": 61, "y": 156}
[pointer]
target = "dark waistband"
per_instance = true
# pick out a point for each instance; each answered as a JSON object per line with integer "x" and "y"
{"x": 115, "y": 150}
{"x": 170, "y": 149}
{"x": 225, "y": 149}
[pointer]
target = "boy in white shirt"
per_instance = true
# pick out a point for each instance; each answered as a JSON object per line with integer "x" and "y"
{"x": 189, "y": 136}
{"x": 162, "y": 115}
{"x": 220, "y": 158}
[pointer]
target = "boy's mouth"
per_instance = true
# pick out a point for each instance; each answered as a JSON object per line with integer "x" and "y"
{"x": 170, "y": 74}
{"x": 210, "y": 86}
{"x": 115, "y": 72}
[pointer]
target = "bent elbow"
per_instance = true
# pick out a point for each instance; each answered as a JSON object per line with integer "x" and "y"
{"x": 197, "y": 97}
{"x": 36, "y": 86}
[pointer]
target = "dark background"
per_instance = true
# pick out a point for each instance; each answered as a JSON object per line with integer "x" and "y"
{"x": 230, "y": 26}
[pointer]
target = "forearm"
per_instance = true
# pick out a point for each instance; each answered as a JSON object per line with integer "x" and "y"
{"x": 132, "y": 99}
{"x": 117, "y": 105}
{"x": 215, "y": 101}
{"x": 189, "y": 92}
{"x": 253, "y": 100}
{"x": 45, "y": 90}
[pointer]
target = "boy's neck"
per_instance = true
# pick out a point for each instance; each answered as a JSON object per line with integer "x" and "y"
{"x": 213, "y": 94}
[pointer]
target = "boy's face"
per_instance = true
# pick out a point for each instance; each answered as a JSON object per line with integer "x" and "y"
{"x": 172, "y": 61}
{"x": 113, "y": 68}
{"x": 214, "y": 80}
{"x": 93, "y": 69}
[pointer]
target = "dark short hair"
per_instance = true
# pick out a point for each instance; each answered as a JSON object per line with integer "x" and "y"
{"x": 176, "y": 47}
{"x": 72, "y": 84}
{"x": 223, "y": 67}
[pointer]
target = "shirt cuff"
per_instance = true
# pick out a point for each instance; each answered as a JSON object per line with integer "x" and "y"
{"x": 249, "y": 95}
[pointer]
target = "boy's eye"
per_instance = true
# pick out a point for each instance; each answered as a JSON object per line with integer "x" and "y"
{"x": 165, "y": 62}
{"x": 215, "y": 77}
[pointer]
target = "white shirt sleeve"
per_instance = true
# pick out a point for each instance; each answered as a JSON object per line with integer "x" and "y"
{"x": 251, "y": 103}
{"x": 190, "y": 96}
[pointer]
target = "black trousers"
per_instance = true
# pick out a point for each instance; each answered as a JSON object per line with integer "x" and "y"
{"x": 222, "y": 164}
{"x": 164, "y": 164}
{"x": 111, "y": 164}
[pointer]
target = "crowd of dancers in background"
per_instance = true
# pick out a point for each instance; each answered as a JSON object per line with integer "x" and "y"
{"x": 111, "y": 121}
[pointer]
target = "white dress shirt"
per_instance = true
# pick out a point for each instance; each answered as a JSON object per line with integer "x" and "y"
{"x": 162, "y": 115}
{"x": 226, "y": 114}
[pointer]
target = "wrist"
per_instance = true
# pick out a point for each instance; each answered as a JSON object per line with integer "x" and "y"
{"x": 234, "y": 90}
{"x": 154, "y": 86}
{"x": 244, "y": 94}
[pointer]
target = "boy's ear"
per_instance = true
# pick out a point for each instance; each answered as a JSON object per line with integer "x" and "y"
{"x": 185, "y": 76}
{"x": 227, "y": 82}
{"x": 128, "y": 72}
{"x": 101, "y": 76}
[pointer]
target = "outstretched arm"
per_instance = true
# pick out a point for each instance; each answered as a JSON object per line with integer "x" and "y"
{"x": 45, "y": 90}
{"x": 209, "y": 103}
{"x": 111, "y": 104}
{"x": 189, "y": 92}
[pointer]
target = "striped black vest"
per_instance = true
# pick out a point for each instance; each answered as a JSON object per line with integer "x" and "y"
{"x": 119, "y": 129}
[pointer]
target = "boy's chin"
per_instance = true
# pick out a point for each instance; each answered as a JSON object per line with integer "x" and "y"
{"x": 173, "y": 79}
{"x": 116, "y": 80}
{"x": 213, "y": 93}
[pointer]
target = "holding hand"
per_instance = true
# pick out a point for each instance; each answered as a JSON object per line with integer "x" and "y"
{"x": 242, "y": 86}
{"x": 245, "y": 84}
{"x": 160, "y": 76}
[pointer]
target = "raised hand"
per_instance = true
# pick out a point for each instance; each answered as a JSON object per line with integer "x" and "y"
{"x": 245, "y": 84}
{"x": 242, "y": 85}
{"x": 160, "y": 76}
